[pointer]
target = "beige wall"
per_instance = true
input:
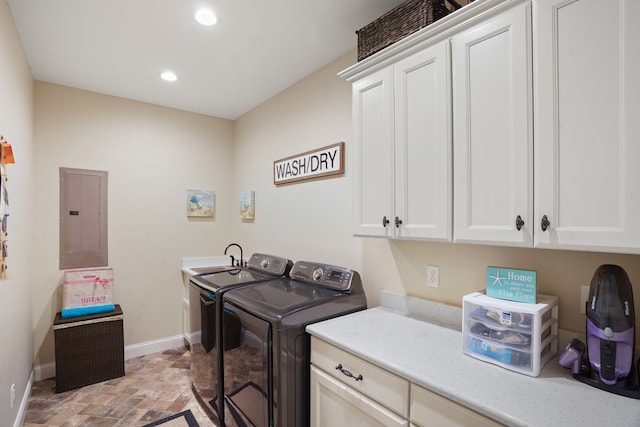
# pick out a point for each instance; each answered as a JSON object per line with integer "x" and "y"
{"x": 312, "y": 220}
{"x": 153, "y": 155}
{"x": 309, "y": 220}
{"x": 16, "y": 124}
{"x": 462, "y": 270}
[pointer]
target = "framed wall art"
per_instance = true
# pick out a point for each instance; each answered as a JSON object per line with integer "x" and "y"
{"x": 201, "y": 203}
{"x": 248, "y": 205}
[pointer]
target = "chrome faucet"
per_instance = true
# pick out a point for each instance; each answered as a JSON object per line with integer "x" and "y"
{"x": 240, "y": 262}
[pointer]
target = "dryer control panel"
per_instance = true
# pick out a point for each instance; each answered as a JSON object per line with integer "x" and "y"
{"x": 270, "y": 264}
{"x": 329, "y": 276}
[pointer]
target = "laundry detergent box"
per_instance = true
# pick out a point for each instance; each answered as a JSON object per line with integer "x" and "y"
{"x": 518, "y": 336}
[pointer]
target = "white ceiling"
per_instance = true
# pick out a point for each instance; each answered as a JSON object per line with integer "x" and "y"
{"x": 257, "y": 49}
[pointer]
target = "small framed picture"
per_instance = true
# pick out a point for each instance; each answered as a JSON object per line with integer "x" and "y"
{"x": 247, "y": 205}
{"x": 201, "y": 203}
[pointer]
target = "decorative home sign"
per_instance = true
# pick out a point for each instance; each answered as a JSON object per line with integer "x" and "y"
{"x": 313, "y": 164}
{"x": 201, "y": 203}
{"x": 513, "y": 285}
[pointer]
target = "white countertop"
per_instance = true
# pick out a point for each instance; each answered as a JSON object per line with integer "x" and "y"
{"x": 431, "y": 356}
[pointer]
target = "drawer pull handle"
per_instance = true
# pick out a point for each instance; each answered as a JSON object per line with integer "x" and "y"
{"x": 348, "y": 374}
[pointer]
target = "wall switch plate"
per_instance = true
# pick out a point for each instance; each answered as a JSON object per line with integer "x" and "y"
{"x": 584, "y": 297}
{"x": 433, "y": 276}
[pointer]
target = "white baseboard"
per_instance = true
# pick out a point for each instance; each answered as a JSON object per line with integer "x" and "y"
{"x": 193, "y": 337}
{"x": 150, "y": 347}
{"x": 48, "y": 370}
{"x": 44, "y": 371}
{"x": 24, "y": 403}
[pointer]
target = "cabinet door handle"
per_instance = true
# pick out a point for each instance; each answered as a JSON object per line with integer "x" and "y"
{"x": 385, "y": 221}
{"x": 348, "y": 374}
{"x": 398, "y": 222}
{"x": 519, "y": 223}
{"x": 545, "y": 223}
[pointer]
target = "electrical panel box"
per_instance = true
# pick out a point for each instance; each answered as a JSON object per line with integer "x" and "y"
{"x": 83, "y": 218}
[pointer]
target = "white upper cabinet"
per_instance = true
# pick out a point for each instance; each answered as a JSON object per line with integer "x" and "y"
{"x": 493, "y": 139}
{"x": 373, "y": 154}
{"x": 587, "y": 128}
{"x": 508, "y": 122}
{"x": 423, "y": 144}
{"x": 402, "y": 155}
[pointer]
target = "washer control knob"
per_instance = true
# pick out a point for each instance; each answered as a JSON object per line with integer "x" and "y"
{"x": 317, "y": 274}
{"x": 264, "y": 263}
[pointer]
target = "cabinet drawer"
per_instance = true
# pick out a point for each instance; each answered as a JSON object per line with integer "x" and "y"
{"x": 334, "y": 403}
{"x": 382, "y": 386}
{"x": 431, "y": 409}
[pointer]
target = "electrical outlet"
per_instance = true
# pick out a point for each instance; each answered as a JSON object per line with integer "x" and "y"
{"x": 13, "y": 394}
{"x": 433, "y": 276}
{"x": 584, "y": 297}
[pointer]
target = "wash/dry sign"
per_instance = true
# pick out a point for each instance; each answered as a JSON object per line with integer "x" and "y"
{"x": 322, "y": 162}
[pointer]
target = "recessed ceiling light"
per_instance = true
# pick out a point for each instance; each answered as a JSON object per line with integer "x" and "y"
{"x": 206, "y": 17}
{"x": 168, "y": 76}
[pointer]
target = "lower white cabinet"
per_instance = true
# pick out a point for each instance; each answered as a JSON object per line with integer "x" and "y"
{"x": 334, "y": 403}
{"x": 370, "y": 380}
{"x": 430, "y": 409}
{"x": 349, "y": 391}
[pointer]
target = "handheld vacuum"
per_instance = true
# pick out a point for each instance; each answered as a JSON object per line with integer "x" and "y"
{"x": 610, "y": 332}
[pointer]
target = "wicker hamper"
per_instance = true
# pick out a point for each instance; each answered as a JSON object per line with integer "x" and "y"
{"x": 404, "y": 19}
{"x": 89, "y": 349}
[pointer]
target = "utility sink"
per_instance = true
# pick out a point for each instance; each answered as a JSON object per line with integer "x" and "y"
{"x": 216, "y": 269}
{"x": 207, "y": 265}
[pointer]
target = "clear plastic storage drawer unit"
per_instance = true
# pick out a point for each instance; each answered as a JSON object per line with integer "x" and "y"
{"x": 517, "y": 336}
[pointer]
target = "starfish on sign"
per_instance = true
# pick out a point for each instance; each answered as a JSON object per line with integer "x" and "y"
{"x": 497, "y": 279}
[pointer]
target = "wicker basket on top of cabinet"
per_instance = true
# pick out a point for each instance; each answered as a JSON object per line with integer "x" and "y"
{"x": 403, "y": 20}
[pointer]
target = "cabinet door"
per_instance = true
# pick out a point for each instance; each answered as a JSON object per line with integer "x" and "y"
{"x": 423, "y": 144}
{"x": 588, "y": 124}
{"x": 373, "y": 154}
{"x": 430, "y": 409}
{"x": 336, "y": 404}
{"x": 492, "y": 116}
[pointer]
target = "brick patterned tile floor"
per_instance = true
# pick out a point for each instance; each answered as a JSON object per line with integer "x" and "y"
{"x": 154, "y": 386}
